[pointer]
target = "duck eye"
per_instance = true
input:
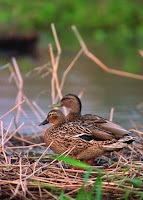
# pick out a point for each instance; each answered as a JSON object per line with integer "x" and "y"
{"x": 65, "y": 98}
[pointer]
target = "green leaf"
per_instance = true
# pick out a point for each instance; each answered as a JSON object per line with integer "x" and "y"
{"x": 76, "y": 163}
{"x": 127, "y": 195}
{"x": 127, "y": 169}
{"x": 62, "y": 195}
{"x": 96, "y": 183}
{"x": 44, "y": 185}
{"x": 99, "y": 188}
{"x": 137, "y": 182}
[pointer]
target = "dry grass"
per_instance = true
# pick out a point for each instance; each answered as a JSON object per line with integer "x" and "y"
{"x": 27, "y": 174}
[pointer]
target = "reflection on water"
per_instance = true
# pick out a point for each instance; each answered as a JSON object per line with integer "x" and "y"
{"x": 102, "y": 91}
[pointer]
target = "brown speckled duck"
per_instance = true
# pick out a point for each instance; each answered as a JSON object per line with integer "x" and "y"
{"x": 76, "y": 139}
{"x": 100, "y": 127}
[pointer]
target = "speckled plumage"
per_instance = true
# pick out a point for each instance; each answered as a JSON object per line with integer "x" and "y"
{"x": 100, "y": 127}
{"x": 69, "y": 136}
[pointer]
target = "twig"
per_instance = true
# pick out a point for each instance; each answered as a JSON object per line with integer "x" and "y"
{"x": 55, "y": 72}
{"x": 141, "y": 52}
{"x": 101, "y": 64}
{"x": 13, "y": 75}
{"x": 30, "y": 146}
{"x": 2, "y": 143}
{"x": 19, "y": 76}
{"x": 7, "y": 131}
{"x": 16, "y": 137}
{"x": 53, "y": 196}
{"x": 16, "y": 191}
{"x": 42, "y": 155}
{"x": 134, "y": 125}
{"x": 14, "y": 133}
{"x": 38, "y": 108}
{"x": 111, "y": 114}
{"x": 31, "y": 121}
{"x": 66, "y": 176}
{"x": 81, "y": 94}
{"x": 12, "y": 109}
{"x": 32, "y": 108}
{"x": 20, "y": 88}
{"x": 68, "y": 69}
{"x": 139, "y": 132}
{"x": 57, "y": 44}
{"x": 23, "y": 188}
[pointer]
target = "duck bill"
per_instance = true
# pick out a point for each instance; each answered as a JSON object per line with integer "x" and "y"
{"x": 59, "y": 104}
{"x": 44, "y": 122}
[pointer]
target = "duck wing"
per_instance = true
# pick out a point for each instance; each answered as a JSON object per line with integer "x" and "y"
{"x": 104, "y": 125}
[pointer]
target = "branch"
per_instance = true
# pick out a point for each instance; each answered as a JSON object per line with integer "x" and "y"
{"x": 101, "y": 64}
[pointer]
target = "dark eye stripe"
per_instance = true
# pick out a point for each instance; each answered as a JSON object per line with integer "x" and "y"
{"x": 66, "y": 98}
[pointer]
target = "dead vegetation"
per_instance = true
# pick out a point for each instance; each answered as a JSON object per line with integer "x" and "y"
{"x": 27, "y": 173}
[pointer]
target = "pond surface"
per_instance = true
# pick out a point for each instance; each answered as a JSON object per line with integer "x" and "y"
{"x": 101, "y": 92}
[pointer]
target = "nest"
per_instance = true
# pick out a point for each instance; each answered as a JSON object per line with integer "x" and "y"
{"x": 27, "y": 175}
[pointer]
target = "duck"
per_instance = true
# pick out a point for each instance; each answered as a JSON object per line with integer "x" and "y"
{"x": 77, "y": 140}
{"x": 99, "y": 126}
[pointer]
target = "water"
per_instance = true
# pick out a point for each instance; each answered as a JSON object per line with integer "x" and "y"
{"x": 101, "y": 92}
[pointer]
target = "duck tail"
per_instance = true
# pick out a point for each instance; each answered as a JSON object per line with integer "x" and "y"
{"x": 121, "y": 143}
{"x": 127, "y": 139}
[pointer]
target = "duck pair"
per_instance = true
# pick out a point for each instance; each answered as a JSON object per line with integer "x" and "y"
{"x": 82, "y": 136}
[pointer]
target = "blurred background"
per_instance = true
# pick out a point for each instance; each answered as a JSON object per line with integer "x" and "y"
{"x": 112, "y": 31}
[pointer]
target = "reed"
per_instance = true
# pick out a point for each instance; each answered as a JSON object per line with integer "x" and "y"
{"x": 28, "y": 172}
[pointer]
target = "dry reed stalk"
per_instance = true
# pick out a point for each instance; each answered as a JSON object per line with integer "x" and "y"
{"x": 139, "y": 132}
{"x": 39, "y": 109}
{"x": 7, "y": 131}
{"x": 16, "y": 137}
{"x": 55, "y": 63}
{"x": 40, "y": 192}
{"x": 30, "y": 146}
{"x": 68, "y": 69}
{"x": 59, "y": 51}
{"x": 13, "y": 75}
{"x": 42, "y": 155}
{"x": 53, "y": 73}
{"x": 51, "y": 195}
{"x": 2, "y": 143}
{"x": 139, "y": 126}
{"x": 18, "y": 73}
{"x": 19, "y": 83}
{"x": 18, "y": 99}
{"x": 13, "y": 133}
{"x": 141, "y": 52}
{"x": 73, "y": 189}
{"x": 54, "y": 80}
{"x": 66, "y": 176}
{"x": 43, "y": 67}
{"x": 20, "y": 88}
{"x": 134, "y": 125}
{"x": 42, "y": 92}
{"x": 16, "y": 191}
{"x": 80, "y": 94}
{"x": 40, "y": 69}
{"x": 22, "y": 177}
{"x": 12, "y": 109}
{"x": 99, "y": 62}
{"x": 111, "y": 114}
{"x": 55, "y": 76}
{"x": 30, "y": 120}
{"x": 32, "y": 108}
